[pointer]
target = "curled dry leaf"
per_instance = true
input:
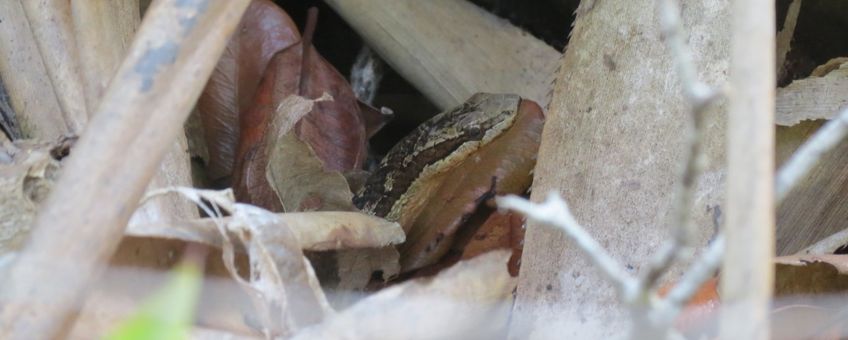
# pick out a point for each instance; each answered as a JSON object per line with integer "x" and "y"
{"x": 499, "y": 231}
{"x": 281, "y": 283}
{"x": 333, "y": 129}
{"x": 811, "y": 274}
{"x": 316, "y": 231}
{"x": 435, "y": 178}
{"x": 264, "y": 30}
{"x": 470, "y": 300}
{"x": 821, "y": 96}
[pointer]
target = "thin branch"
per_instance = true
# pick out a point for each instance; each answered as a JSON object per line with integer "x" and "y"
{"x": 82, "y": 221}
{"x": 809, "y": 154}
{"x": 700, "y": 97}
{"x": 554, "y": 212}
{"x": 703, "y": 269}
{"x": 747, "y": 274}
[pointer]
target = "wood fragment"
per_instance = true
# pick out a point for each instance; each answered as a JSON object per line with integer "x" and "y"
{"x": 139, "y": 117}
{"x": 452, "y": 49}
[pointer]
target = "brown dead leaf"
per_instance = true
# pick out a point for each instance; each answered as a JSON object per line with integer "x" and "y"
{"x": 503, "y": 166}
{"x": 264, "y": 30}
{"x": 300, "y": 181}
{"x": 334, "y": 130}
{"x": 811, "y": 274}
{"x": 500, "y": 231}
{"x": 471, "y": 300}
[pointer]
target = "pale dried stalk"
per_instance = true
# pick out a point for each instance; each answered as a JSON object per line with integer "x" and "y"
{"x": 700, "y": 97}
{"x": 315, "y": 231}
{"x": 83, "y": 220}
{"x": 747, "y": 271}
{"x": 51, "y": 25}
{"x": 808, "y": 154}
{"x": 784, "y": 37}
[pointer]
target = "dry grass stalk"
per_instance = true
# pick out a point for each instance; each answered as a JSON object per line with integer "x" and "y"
{"x": 51, "y": 25}
{"x": 141, "y": 113}
{"x": 747, "y": 271}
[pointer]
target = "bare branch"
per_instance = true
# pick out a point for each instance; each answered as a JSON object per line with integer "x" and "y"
{"x": 703, "y": 269}
{"x": 808, "y": 155}
{"x": 747, "y": 270}
{"x": 700, "y": 97}
{"x": 554, "y": 212}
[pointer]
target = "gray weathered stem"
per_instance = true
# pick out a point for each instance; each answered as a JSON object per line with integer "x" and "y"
{"x": 141, "y": 113}
{"x": 747, "y": 270}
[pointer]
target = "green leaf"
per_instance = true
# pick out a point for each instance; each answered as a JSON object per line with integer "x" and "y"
{"x": 169, "y": 313}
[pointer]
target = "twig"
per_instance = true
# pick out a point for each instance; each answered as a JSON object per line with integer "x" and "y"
{"x": 554, "y": 212}
{"x": 704, "y": 268}
{"x": 83, "y": 219}
{"x": 700, "y": 97}
{"x": 809, "y": 154}
{"x": 747, "y": 271}
{"x": 784, "y": 37}
{"x": 654, "y": 316}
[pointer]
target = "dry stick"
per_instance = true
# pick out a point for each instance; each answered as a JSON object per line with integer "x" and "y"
{"x": 747, "y": 270}
{"x": 784, "y": 37}
{"x": 104, "y": 31}
{"x": 306, "y": 47}
{"x": 51, "y": 25}
{"x": 142, "y": 112}
{"x": 809, "y": 154}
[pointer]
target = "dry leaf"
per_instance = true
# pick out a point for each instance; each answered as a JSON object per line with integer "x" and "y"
{"x": 281, "y": 283}
{"x": 251, "y": 182}
{"x": 300, "y": 181}
{"x": 811, "y": 274}
{"x": 499, "y": 231}
{"x": 816, "y": 97}
{"x": 471, "y": 300}
{"x": 333, "y": 129}
{"x": 264, "y": 30}
{"x": 314, "y": 231}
